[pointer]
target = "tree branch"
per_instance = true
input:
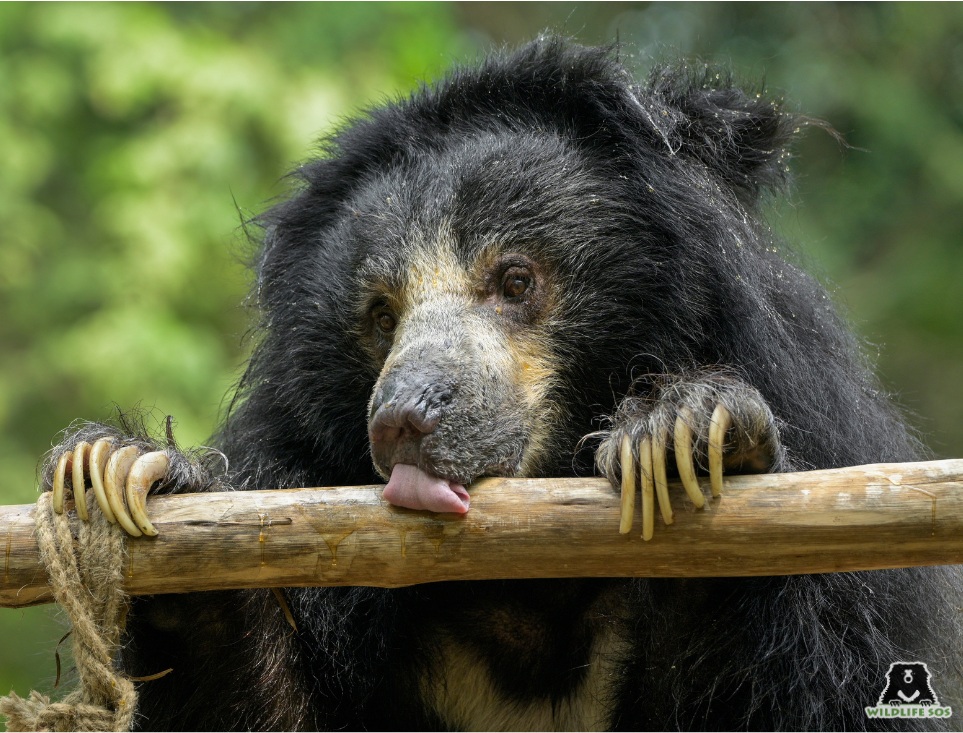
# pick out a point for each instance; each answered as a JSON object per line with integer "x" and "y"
{"x": 866, "y": 517}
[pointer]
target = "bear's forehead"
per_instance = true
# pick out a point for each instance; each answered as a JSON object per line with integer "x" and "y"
{"x": 452, "y": 210}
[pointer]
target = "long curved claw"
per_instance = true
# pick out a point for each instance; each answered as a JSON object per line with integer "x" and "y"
{"x": 147, "y": 469}
{"x": 659, "y": 474}
{"x": 648, "y": 490}
{"x": 684, "y": 461}
{"x": 78, "y": 477}
{"x": 115, "y": 480}
{"x": 719, "y": 425}
{"x": 628, "y": 486}
{"x": 63, "y": 465}
{"x": 647, "y": 455}
{"x": 99, "y": 455}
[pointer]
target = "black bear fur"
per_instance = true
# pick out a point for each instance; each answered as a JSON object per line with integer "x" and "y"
{"x": 636, "y": 207}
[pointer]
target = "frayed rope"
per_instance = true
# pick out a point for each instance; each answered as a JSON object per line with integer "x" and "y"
{"x": 87, "y": 583}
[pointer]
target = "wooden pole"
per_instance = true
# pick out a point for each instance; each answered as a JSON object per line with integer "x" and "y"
{"x": 866, "y": 517}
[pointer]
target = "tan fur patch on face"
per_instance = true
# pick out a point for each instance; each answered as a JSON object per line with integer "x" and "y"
{"x": 433, "y": 270}
{"x": 533, "y": 370}
{"x": 431, "y": 276}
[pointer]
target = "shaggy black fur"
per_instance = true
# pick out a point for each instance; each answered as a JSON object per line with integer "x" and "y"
{"x": 638, "y": 204}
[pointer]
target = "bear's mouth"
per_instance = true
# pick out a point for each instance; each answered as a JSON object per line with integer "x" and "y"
{"x": 413, "y": 488}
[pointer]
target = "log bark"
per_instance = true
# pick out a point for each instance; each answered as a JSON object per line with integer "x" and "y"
{"x": 865, "y": 517}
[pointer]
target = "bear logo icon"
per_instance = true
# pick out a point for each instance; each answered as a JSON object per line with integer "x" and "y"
{"x": 908, "y": 683}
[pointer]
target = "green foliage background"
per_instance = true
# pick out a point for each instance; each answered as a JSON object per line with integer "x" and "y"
{"x": 134, "y": 139}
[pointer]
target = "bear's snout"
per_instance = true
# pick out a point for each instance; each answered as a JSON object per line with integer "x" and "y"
{"x": 404, "y": 408}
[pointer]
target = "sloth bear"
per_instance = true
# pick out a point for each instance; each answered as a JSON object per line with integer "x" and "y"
{"x": 535, "y": 267}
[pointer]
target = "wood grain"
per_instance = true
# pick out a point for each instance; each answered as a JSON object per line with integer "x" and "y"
{"x": 865, "y": 517}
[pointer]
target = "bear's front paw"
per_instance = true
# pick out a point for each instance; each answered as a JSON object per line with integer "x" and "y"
{"x": 120, "y": 467}
{"x": 710, "y": 424}
{"x": 120, "y": 477}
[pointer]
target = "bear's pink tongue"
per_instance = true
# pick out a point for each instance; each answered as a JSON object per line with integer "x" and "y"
{"x": 412, "y": 488}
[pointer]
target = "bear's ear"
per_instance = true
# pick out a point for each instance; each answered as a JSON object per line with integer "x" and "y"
{"x": 742, "y": 136}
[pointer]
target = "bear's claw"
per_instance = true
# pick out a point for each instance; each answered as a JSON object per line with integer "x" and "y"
{"x": 652, "y": 469}
{"x": 120, "y": 480}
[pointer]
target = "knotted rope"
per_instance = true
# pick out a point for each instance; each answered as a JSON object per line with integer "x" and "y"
{"x": 87, "y": 583}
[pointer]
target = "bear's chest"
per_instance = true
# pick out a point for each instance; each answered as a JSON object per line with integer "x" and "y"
{"x": 540, "y": 656}
{"x": 465, "y": 692}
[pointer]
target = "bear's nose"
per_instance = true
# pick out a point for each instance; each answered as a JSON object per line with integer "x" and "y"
{"x": 404, "y": 410}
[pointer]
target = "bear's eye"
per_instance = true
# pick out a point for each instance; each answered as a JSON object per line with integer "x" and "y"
{"x": 384, "y": 319}
{"x": 516, "y": 282}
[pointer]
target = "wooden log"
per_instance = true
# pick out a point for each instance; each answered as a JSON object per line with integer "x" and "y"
{"x": 866, "y": 517}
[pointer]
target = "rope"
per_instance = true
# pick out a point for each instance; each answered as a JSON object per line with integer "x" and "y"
{"x": 87, "y": 583}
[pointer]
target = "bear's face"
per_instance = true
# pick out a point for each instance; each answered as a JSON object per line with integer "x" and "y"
{"x": 459, "y": 297}
{"x": 466, "y": 365}
{"x": 474, "y": 261}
